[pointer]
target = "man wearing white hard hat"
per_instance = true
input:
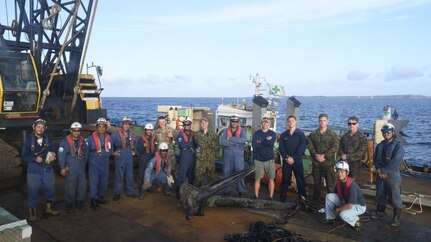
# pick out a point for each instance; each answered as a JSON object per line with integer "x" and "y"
{"x": 36, "y": 154}
{"x": 347, "y": 199}
{"x": 387, "y": 158}
{"x": 99, "y": 144}
{"x": 146, "y": 149}
{"x": 72, "y": 157}
{"x": 159, "y": 169}
{"x": 123, "y": 142}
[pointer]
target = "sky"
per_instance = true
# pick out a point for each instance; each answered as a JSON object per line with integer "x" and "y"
{"x": 211, "y": 48}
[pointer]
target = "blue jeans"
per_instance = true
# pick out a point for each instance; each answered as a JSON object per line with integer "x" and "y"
{"x": 349, "y": 216}
{"x": 34, "y": 181}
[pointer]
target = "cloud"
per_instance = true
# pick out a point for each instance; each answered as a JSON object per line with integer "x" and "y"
{"x": 355, "y": 75}
{"x": 398, "y": 72}
{"x": 285, "y": 13}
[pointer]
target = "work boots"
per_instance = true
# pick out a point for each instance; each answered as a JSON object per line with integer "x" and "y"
{"x": 32, "y": 214}
{"x": 142, "y": 194}
{"x": 94, "y": 204}
{"x": 379, "y": 213}
{"x": 169, "y": 191}
{"x": 102, "y": 201}
{"x": 70, "y": 208}
{"x": 50, "y": 209}
{"x": 396, "y": 219}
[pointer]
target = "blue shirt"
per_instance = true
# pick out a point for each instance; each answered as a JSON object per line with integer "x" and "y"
{"x": 292, "y": 145}
{"x": 264, "y": 148}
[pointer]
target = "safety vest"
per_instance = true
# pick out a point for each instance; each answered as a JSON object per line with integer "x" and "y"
{"x": 237, "y": 134}
{"x": 343, "y": 195}
{"x": 45, "y": 140}
{"x": 123, "y": 139}
{"x": 72, "y": 145}
{"x": 186, "y": 136}
{"x": 97, "y": 142}
{"x": 159, "y": 163}
{"x": 151, "y": 144}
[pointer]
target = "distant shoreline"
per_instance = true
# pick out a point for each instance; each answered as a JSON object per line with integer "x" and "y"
{"x": 358, "y": 97}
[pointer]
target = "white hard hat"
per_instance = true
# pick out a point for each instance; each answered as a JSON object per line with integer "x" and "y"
{"x": 101, "y": 121}
{"x": 387, "y": 127}
{"x": 126, "y": 119}
{"x": 163, "y": 146}
{"x": 187, "y": 120}
{"x": 76, "y": 125}
{"x": 149, "y": 126}
{"x": 342, "y": 165}
{"x": 234, "y": 117}
{"x": 39, "y": 121}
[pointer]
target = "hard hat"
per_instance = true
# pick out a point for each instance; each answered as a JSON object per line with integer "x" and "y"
{"x": 163, "y": 146}
{"x": 149, "y": 126}
{"x": 76, "y": 125}
{"x": 39, "y": 121}
{"x": 341, "y": 165}
{"x": 234, "y": 117}
{"x": 187, "y": 121}
{"x": 126, "y": 119}
{"x": 388, "y": 127}
{"x": 101, "y": 121}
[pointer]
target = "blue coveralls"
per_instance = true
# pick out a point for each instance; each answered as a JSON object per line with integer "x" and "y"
{"x": 38, "y": 173}
{"x": 187, "y": 145}
{"x": 233, "y": 155}
{"x": 144, "y": 157}
{"x": 151, "y": 175}
{"x": 74, "y": 181}
{"x": 387, "y": 158}
{"x": 98, "y": 167}
{"x": 123, "y": 164}
{"x": 294, "y": 146}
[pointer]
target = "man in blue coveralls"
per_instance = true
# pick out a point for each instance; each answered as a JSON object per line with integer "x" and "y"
{"x": 146, "y": 149}
{"x": 159, "y": 169}
{"x": 72, "y": 158}
{"x": 233, "y": 140}
{"x": 292, "y": 146}
{"x": 123, "y": 143}
{"x": 387, "y": 158}
{"x": 186, "y": 141}
{"x": 37, "y": 153}
{"x": 99, "y": 144}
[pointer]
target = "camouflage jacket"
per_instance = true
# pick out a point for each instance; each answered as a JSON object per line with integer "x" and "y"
{"x": 353, "y": 146}
{"x": 207, "y": 144}
{"x": 326, "y": 143}
{"x": 161, "y": 135}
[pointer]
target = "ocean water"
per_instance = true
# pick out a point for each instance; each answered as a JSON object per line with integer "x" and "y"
{"x": 417, "y": 111}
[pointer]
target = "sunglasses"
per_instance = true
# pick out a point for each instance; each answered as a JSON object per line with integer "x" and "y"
{"x": 163, "y": 150}
{"x": 76, "y": 131}
{"x": 234, "y": 121}
{"x": 351, "y": 123}
{"x": 387, "y": 132}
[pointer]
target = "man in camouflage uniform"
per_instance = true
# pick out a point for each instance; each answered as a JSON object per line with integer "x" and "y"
{"x": 353, "y": 146}
{"x": 207, "y": 147}
{"x": 323, "y": 147}
{"x": 164, "y": 133}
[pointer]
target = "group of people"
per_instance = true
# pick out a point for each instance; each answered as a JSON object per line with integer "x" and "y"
{"x": 154, "y": 149}
{"x": 337, "y": 160}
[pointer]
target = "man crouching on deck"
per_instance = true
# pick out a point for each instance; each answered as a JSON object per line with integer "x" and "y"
{"x": 347, "y": 199}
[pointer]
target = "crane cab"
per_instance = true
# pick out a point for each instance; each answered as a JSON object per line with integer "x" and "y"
{"x": 19, "y": 89}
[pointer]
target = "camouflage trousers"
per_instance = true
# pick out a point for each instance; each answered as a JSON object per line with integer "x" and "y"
{"x": 355, "y": 172}
{"x": 204, "y": 172}
{"x": 325, "y": 170}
